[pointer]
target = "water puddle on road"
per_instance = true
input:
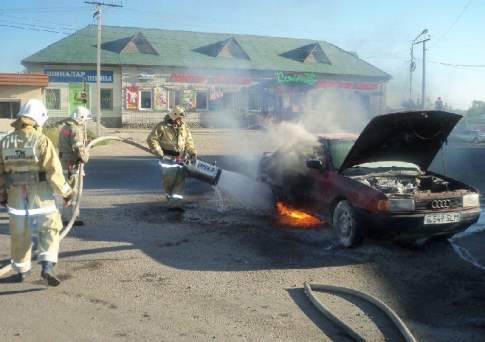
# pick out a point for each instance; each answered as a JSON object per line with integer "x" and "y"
{"x": 468, "y": 244}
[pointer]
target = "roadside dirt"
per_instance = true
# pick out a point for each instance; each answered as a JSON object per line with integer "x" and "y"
{"x": 138, "y": 272}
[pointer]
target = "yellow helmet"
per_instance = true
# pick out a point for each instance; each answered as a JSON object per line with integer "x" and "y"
{"x": 177, "y": 112}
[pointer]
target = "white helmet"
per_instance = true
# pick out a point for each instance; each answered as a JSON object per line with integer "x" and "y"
{"x": 177, "y": 113}
{"x": 81, "y": 114}
{"x": 35, "y": 110}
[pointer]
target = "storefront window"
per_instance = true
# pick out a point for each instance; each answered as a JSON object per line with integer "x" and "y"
{"x": 201, "y": 100}
{"x": 53, "y": 98}
{"x": 178, "y": 97}
{"x": 228, "y": 101}
{"x": 255, "y": 101}
{"x": 145, "y": 99}
{"x": 107, "y": 99}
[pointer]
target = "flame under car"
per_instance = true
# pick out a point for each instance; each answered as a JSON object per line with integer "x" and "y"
{"x": 377, "y": 185}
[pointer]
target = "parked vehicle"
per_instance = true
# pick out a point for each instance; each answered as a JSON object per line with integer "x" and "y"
{"x": 378, "y": 184}
{"x": 468, "y": 136}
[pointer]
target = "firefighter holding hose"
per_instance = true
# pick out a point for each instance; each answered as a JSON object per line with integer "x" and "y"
{"x": 171, "y": 140}
{"x": 72, "y": 151}
{"x": 30, "y": 173}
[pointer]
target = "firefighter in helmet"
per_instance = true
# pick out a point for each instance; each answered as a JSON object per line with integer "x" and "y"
{"x": 72, "y": 151}
{"x": 30, "y": 173}
{"x": 171, "y": 140}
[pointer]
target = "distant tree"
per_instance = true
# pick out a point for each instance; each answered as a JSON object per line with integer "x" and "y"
{"x": 477, "y": 109}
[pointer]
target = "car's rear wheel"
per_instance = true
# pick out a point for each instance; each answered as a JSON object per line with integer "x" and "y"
{"x": 346, "y": 226}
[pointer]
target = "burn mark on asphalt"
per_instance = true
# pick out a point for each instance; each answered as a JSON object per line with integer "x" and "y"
{"x": 172, "y": 244}
{"x": 89, "y": 265}
{"x": 155, "y": 277}
{"x": 91, "y": 300}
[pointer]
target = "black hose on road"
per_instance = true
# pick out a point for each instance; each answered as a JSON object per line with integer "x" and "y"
{"x": 309, "y": 287}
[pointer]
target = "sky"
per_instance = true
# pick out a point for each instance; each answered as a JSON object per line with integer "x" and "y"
{"x": 380, "y": 31}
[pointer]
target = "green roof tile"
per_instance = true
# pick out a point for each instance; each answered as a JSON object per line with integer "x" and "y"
{"x": 180, "y": 49}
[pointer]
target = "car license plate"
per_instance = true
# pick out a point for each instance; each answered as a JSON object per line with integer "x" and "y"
{"x": 442, "y": 218}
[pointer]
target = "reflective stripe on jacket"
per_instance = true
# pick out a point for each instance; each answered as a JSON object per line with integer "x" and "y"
{"x": 38, "y": 155}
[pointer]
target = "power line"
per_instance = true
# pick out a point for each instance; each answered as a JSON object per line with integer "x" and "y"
{"x": 19, "y": 27}
{"x": 42, "y": 21}
{"x": 459, "y": 65}
{"x": 454, "y": 23}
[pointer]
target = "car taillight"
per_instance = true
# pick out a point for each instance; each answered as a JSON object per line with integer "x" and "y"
{"x": 383, "y": 205}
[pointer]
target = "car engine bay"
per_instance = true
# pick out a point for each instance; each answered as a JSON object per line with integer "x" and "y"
{"x": 410, "y": 185}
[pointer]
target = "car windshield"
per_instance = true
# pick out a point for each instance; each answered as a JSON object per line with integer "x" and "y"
{"x": 338, "y": 150}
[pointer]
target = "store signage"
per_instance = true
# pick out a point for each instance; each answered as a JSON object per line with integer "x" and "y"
{"x": 131, "y": 97}
{"x": 347, "y": 84}
{"x": 220, "y": 79}
{"x": 308, "y": 78}
{"x": 160, "y": 99}
{"x": 77, "y": 96}
{"x": 78, "y": 76}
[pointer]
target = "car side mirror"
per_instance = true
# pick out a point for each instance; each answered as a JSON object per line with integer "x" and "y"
{"x": 316, "y": 164}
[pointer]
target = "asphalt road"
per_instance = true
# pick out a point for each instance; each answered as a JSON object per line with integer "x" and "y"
{"x": 138, "y": 272}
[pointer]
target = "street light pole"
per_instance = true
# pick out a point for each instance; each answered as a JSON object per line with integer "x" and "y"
{"x": 412, "y": 67}
{"x": 423, "y": 83}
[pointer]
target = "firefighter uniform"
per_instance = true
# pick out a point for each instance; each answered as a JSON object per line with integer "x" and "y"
{"x": 171, "y": 140}
{"x": 72, "y": 151}
{"x": 31, "y": 173}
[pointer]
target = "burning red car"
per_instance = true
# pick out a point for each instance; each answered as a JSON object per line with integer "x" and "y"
{"x": 378, "y": 184}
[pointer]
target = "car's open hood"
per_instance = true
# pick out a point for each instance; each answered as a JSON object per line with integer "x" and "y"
{"x": 414, "y": 137}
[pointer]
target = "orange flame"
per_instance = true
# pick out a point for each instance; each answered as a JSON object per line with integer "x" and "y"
{"x": 293, "y": 217}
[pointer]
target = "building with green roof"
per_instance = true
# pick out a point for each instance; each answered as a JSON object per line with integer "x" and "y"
{"x": 218, "y": 77}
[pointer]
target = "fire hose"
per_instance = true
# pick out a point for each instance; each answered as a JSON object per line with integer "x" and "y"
{"x": 200, "y": 170}
{"x": 309, "y": 287}
{"x": 7, "y": 268}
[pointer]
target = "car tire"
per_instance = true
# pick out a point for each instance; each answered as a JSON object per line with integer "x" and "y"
{"x": 346, "y": 226}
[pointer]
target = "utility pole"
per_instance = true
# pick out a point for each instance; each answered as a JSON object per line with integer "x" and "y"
{"x": 424, "y": 38}
{"x": 97, "y": 13}
{"x": 423, "y": 84}
{"x": 412, "y": 67}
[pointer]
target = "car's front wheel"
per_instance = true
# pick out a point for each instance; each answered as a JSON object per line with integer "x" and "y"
{"x": 346, "y": 226}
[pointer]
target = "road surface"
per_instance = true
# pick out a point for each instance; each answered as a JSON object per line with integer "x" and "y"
{"x": 136, "y": 272}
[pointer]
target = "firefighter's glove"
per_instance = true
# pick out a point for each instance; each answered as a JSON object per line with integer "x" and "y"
{"x": 180, "y": 160}
{"x": 68, "y": 200}
{"x": 167, "y": 159}
{"x": 3, "y": 198}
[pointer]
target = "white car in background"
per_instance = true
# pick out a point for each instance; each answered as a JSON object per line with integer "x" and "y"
{"x": 474, "y": 136}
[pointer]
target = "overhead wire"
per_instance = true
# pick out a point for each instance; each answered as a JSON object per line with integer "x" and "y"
{"x": 440, "y": 39}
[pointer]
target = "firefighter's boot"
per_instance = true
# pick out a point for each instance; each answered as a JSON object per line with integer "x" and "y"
{"x": 48, "y": 273}
{"x": 21, "y": 276}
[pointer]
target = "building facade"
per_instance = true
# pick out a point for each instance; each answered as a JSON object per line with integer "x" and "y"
{"x": 221, "y": 79}
{"x": 18, "y": 88}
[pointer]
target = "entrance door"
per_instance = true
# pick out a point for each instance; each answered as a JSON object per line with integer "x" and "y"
{"x": 9, "y": 109}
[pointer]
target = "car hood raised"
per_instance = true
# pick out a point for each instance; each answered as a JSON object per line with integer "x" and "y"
{"x": 413, "y": 137}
